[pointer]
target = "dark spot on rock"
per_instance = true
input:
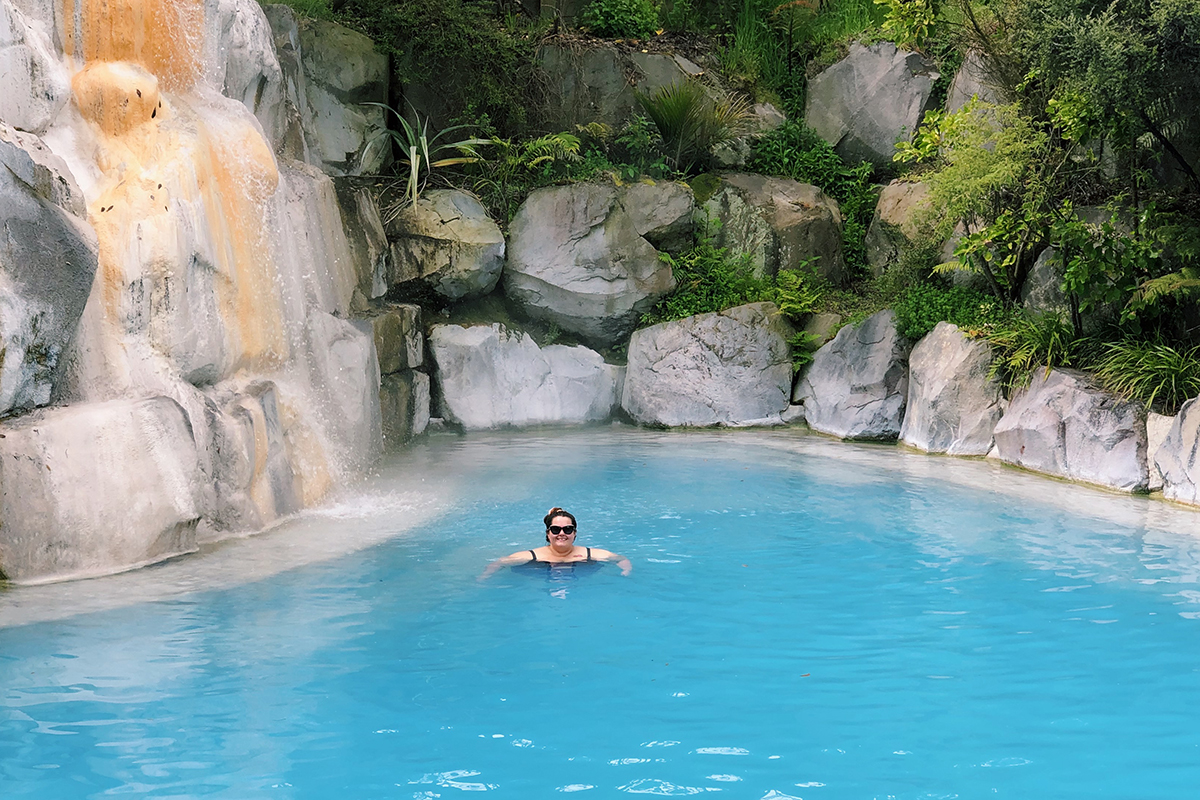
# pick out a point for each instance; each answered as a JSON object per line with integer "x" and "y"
{"x": 139, "y": 91}
{"x": 153, "y": 113}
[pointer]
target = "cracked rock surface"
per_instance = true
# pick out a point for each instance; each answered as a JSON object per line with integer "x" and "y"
{"x": 726, "y": 368}
{"x": 1062, "y": 424}
{"x": 857, "y": 385}
{"x": 581, "y": 256}
{"x": 1178, "y": 458}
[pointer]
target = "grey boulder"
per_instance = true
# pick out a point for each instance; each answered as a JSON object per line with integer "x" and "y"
{"x": 96, "y": 488}
{"x": 778, "y": 222}
{"x": 490, "y": 377}
{"x": 953, "y": 406}
{"x": 857, "y": 385}
{"x": 898, "y": 221}
{"x": 1178, "y": 459}
{"x": 48, "y": 258}
{"x": 366, "y": 237}
{"x": 399, "y": 339}
{"x": 1064, "y": 425}
{"x": 404, "y": 400}
{"x": 727, "y": 368}
{"x": 446, "y": 241}
{"x": 580, "y": 256}
{"x": 1042, "y": 290}
{"x": 871, "y": 100}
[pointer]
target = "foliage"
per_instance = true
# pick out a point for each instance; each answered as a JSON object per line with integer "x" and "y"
{"x": 707, "y": 279}
{"x": 991, "y": 178}
{"x": 1153, "y": 372}
{"x": 460, "y": 52}
{"x": 795, "y": 293}
{"x": 797, "y": 152}
{"x": 909, "y": 23}
{"x": 924, "y": 305}
{"x": 420, "y": 154}
{"x": 312, "y": 9}
{"x": 682, "y": 16}
{"x": 691, "y": 121}
{"x": 621, "y": 18}
{"x": 1022, "y": 343}
{"x": 504, "y": 179}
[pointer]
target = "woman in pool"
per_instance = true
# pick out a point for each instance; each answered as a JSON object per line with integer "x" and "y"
{"x": 560, "y": 548}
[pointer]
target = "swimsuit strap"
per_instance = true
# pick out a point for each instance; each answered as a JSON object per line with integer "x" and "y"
{"x": 533, "y": 556}
{"x": 589, "y": 558}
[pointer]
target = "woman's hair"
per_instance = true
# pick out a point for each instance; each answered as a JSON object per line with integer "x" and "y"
{"x": 558, "y": 512}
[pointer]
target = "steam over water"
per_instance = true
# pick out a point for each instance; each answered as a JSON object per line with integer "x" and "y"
{"x": 804, "y": 619}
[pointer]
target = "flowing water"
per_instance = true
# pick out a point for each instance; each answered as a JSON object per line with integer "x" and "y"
{"x": 804, "y": 619}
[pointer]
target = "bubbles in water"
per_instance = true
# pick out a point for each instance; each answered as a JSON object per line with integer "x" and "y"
{"x": 722, "y": 751}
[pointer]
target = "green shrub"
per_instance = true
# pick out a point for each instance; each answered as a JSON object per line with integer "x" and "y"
{"x": 691, "y": 121}
{"x": 909, "y": 22}
{"x": 924, "y": 305}
{"x": 1161, "y": 376}
{"x": 796, "y": 151}
{"x": 621, "y": 18}
{"x": 707, "y": 279}
{"x": 1023, "y": 343}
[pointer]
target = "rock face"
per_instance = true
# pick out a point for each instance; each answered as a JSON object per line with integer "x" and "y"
{"x": 1178, "y": 459}
{"x": 36, "y": 84}
{"x": 952, "y": 404}
{"x": 580, "y": 256}
{"x": 779, "y": 222}
{"x": 489, "y": 377}
{"x": 399, "y": 340}
{"x": 1063, "y": 425}
{"x": 728, "y": 368}
{"x": 896, "y": 222}
{"x": 366, "y": 236}
{"x": 870, "y": 100}
{"x": 47, "y": 261}
{"x": 1042, "y": 290}
{"x": 447, "y": 241}
{"x": 1158, "y": 427}
{"x": 329, "y": 72}
{"x": 857, "y": 385}
{"x": 599, "y": 84}
{"x": 403, "y": 392}
{"x": 404, "y": 400}
{"x": 138, "y": 462}
{"x": 972, "y": 80}
{"x": 242, "y": 63}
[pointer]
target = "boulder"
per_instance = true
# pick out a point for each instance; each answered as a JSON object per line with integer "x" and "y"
{"x": 35, "y": 165}
{"x": 241, "y": 62}
{"x": 490, "y": 377}
{"x": 96, "y": 488}
{"x": 404, "y": 402}
{"x": 661, "y": 212}
{"x": 365, "y": 235}
{"x": 447, "y": 242}
{"x": 399, "y": 339}
{"x": 822, "y": 327}
{"x": 577, "y": 258}
{"x": 725, "y": 368}
{"x": 253, "y": 483}
{"x": 1178, "y": 458}
{"x": 344, "y": 375}
{"x": 871, "y": 100}
{"x": 48, "y": 258}
{"x": 329, "y": 72}
{"x": 36, "y": 82}
{"x": 766, "y": 119}
{"x": 599, "y": 84}
{"x": 897, "y": 222}
{"x": 1064, "y": 425}
{"x": 857, "y": 385}
{"x": 1158, "y": 426}
{"x": 1042, "y": 291}
{"x": 953, "y": 405}
{"x": 779, "y": 222}
{"x": 973, "y": 81}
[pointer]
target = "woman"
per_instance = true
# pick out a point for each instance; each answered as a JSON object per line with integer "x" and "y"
{"x": 560, "y": 548}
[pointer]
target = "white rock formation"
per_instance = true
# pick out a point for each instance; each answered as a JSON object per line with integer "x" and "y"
{"x": 1158, "y": 426}
{"x": 870, "y": 100}
{"x": 1178, "y": 458}
{"x": 857, "y": 385}
{"x": 580, "y": 257}
{"x": 97, "y": 488}
{"x": 726, "y": 368}
{"x": 953, "y": 405}
{"x": 489, "y": 377}
{"x": 779, "y": 222}
{"x": 1064, "y": 425}
{"x": 447, "y": 241}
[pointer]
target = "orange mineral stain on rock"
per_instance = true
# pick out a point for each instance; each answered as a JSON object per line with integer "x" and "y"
{"x": 164, "y": 36}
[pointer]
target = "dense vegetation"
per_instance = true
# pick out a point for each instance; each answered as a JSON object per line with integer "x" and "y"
{"x": 1099, "y": 113}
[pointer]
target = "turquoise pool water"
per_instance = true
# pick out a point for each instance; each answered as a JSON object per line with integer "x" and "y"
{"x": 805, "y": 620}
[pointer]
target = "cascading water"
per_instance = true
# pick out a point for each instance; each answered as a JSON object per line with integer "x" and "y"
{"x": 214, "y": 382}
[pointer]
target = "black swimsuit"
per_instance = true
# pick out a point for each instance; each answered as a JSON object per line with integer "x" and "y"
{"x": 588, "y": 560}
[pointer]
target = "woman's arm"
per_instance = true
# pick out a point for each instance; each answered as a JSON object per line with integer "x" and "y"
{"x": 604, "y": 555}
{"x": 519, "y": 557}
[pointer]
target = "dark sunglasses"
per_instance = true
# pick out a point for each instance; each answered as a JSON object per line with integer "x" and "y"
{"x": 567, "y": 529}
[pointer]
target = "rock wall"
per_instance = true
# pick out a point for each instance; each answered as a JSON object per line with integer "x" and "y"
{"x": 175, "y": 276}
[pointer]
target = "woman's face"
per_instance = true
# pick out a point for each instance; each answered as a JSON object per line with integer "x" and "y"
{"x": 562, "y": 538}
